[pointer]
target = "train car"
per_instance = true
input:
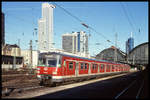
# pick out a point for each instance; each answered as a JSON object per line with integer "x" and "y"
{"x": 56, "y": 68}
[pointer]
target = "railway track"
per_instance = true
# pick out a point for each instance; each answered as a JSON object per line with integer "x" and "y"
{"x": 8, "y": 90}
{"x": 133, "y": 90}
{"x": 17, "y": 82}
{"x": 125, "y": 92}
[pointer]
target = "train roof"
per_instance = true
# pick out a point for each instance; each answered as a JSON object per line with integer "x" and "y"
{"x": 77, "y": 56}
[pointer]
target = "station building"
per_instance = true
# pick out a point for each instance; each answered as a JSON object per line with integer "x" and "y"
{"x": 139, "y": 55}
{"x": 11, "y": 57}
{"x": 27, "y": 58}
{"x": 109, "y": 54}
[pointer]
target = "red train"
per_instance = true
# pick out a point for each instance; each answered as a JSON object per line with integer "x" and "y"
{"x": 56, "y": 68}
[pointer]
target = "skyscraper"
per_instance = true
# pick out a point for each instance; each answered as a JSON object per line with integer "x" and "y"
{"x": 69, "y": 42}
{"x": 76, "y": 42}
{"x": 45, "y": 28}
{"x": 129, "y": 44}
{"x": 83, "y": 42}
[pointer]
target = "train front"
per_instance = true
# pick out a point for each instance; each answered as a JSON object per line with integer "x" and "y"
{"x": 48, "y": 67}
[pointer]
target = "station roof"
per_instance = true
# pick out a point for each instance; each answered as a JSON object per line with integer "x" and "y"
{"x": 113, "y": 48}
{"x": 137, "y": 47}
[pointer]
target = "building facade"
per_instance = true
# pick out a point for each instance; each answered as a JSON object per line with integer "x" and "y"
{"x": 11, "y": 50}
{"x": 139, "y": 55}
{"x": 27, "y": 58}
{"x": 68, "y": 43}
{"x": 11, "y": 57}
{"x": 76, "y": 42}
{"x": 83, "y": 42}
{"x": 45, "y": 28}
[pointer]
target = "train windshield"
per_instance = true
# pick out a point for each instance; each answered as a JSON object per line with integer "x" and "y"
{"x": 51, "y": 60}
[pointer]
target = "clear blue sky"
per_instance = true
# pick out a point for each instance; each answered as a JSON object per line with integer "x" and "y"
{"x": 107, "y": 18}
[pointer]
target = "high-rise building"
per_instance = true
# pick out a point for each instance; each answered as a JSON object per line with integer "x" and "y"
{"x": 45, "y": 28}
{"x": 68, "y": 42}
{"x": 76, "y": 42}
{"x": 129, "y": 44}
{"x": 2, "y": 29}
{"x": 83, "y": 42}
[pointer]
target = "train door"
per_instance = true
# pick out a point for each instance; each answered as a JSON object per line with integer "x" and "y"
{"x": 89, "y": 71}
{"x": 70, "y": 70}
{"x": 98, "y": 69}
{"x": 76, "y": 68}
{"x": 105, "y": 66}
{"x": 102, "y": 68}
{"x": 64, "y": 68}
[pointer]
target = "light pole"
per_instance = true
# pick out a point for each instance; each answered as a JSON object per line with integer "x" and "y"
{"x": 115, "y": 57}
{"x": 14, "y": 61}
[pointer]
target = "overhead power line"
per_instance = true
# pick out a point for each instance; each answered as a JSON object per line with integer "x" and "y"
{"x": 130, "y": 15}
{"x": 68, "y": 12}
{"x": 125, "y": 12}
{"x": 83, "y": 23}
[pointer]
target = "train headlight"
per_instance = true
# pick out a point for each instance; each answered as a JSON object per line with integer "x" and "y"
{"x": 38, "y": 76}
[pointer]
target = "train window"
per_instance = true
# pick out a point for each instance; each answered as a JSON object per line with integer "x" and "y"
{"x": 70, "y": 65}
{"x": 108, "y": 67}
{"x": 94, "y": 66}
{"x": 59, "y": 61}
{"x": 112, "y": 67}
{"x": 64, "y": 63}
{"x": 119, "y": 67}
{"x": 102, "y": 66}
{"x": 82, "y": 65}
{"x": 85, "y": 65}
{"x": 52, "y": 63}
